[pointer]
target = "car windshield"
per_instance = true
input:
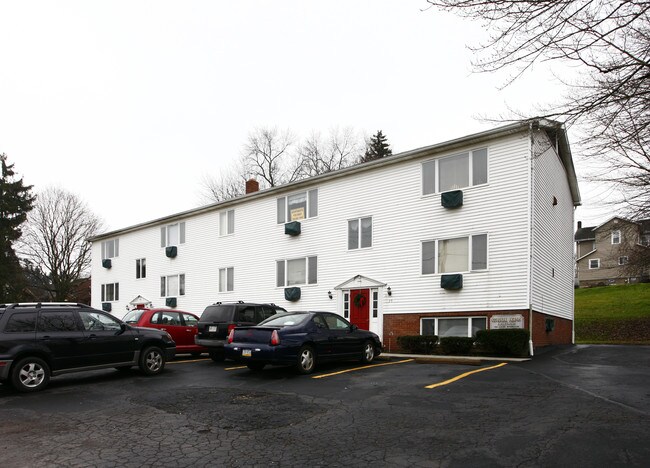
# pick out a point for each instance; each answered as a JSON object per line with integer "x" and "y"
{"x": 218, "y": 313}
{"x": 133, "y": 316}
{"x": 285, "y": 320}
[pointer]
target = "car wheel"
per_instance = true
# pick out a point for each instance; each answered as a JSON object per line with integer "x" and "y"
{"x": 368, "y": 352}
{"x": 306, "y": 360}
{"x": 30, "y": 375}
{"x": 152, "y": 361}
{"x": 218, "y": 356}
{"x": 255, "y": 366}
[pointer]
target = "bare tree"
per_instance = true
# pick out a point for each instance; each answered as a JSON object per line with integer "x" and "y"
{"x": 341, "y": 148}
{"x": 267, "y": 156}
{"x": 608, "y": 41}
{"x": 55, "y": 240}
{"x": 230, "y": 184}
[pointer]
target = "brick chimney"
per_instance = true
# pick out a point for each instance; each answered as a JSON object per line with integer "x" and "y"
{"x": 252, "y": 186}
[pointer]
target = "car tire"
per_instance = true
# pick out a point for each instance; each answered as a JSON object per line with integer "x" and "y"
{"x": 306, "y": 360}
{"x": 368, "y": 352}
{"x": 152, "y": 361}
{"x": 30, "y": 374}
{"x": 255, "y": 366}
{"x": 218, "y": 355}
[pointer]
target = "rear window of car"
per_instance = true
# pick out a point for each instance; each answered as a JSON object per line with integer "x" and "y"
{"x": 285, "y": 320}
{"x": 21, "y": 323}
{"x": 133, "y": 316}
{"x": 218, "y": 313}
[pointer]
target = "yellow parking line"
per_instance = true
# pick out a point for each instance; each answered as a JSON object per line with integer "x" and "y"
{"x": 191, "y": 360}
{"x": 235, "y": 368}
{"x": 462, "y": 376}
{"x": 361, "y": 368}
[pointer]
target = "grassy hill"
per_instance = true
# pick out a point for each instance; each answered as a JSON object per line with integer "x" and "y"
{"x": 613, "y": 314}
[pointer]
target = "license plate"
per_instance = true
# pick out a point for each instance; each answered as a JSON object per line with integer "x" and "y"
{"x": 212, "y": 328}
{"x": 246, "y": 353}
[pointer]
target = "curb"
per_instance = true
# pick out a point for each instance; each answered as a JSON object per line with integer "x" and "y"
{"x": 434, "y": 359}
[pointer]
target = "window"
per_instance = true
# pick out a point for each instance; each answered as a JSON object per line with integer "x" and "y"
{"x": 455, "y": 172}
{"x": 226, "y": 279}
{"x": 645, "y": 239}
{"x": 616, "y": 237}
{"x": 110, "y": 249}
{"x": 172, "y": 234}
{"x": 455, "y": 255}
{"x": 190, "y": 320}
{"x": 60, "y": 321}
{"x": 297, "y": 206}
{"x": 227, "y": 222}
{"x": 453, "y": 326}
{"x": 21, "y": 323}
{"x": 375, "y": 304}
{"x": 141, "y": 268}
{"x": 173, "y": 285}
{"x": 623, "y": 260}
{"x": 167, "y": 318}
{"x": 297, "y": 271}
{"x": 594, "y": 263}
{"x": 346, "y": 304}
{"x": 110, "y": 292}
{"x": 97, "y": 321}
{"x": 359, "y": 233}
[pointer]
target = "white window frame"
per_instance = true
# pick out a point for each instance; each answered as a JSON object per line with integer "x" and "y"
{"x": 346, "y": 304}
{"x": 107, "y": 246}
{"x": 597, "y": 260}
{"x": 224, "y": 274}
{"x": 308, "y": 261}
{"x": 115, "y": 296}
{"x": 164, "y": 234}
{"x": 359, "y": 236}
{"x": 470, "y": 254}
{"x": 623, "y": 260}
{"x": 282, "y": 206}
{"x": 468, "y": 318}
{"x": 164, "y": 285}
{"x": 227, "y": 223}
{"x": 140, "y": 268}
{"x": 470, "y": 175}
{"x": 374, "y": 304}
{"x": 616, "y": 237}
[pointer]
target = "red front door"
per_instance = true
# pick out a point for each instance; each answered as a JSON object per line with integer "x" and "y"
{"x": 360, "y": 308}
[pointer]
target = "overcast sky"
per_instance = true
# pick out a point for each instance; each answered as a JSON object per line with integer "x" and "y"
{"x": 130, "y": 103}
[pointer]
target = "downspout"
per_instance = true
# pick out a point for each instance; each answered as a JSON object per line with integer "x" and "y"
{"x": 530, "y": 239}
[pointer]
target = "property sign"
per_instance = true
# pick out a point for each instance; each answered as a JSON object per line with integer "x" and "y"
{"x": 498, "y": 322}
{"x": 297, "y": 214}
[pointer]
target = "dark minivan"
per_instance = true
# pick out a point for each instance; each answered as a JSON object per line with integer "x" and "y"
{"x": 218, "y": 319}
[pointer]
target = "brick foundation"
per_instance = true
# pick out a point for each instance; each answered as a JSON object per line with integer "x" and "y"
{"x": 409, "y": 324}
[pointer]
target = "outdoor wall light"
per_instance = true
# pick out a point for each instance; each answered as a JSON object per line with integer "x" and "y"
{"x": 388, "y": 291}
{"x": 329, "y": 294}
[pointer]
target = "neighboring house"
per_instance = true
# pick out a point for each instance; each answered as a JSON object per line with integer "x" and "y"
{"x": 608, "y": 253}
{"x": 468, "y": 234}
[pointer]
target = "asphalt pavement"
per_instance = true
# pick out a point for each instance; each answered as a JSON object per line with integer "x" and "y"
{"x": 572, "y": 406}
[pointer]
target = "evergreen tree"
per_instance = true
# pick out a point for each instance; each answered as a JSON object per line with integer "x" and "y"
{"x": 16, "y": 200}
{"x": 376, "y": 148}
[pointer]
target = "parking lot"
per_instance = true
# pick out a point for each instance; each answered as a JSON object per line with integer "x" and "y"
{"x": 579, "y": 406}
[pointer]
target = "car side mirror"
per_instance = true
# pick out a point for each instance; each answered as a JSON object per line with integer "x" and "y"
{"x": 353, "y": 327}
{"x": 123, "y": 327}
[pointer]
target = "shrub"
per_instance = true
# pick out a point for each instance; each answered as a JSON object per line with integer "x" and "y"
{"x": 456, "y": 344}
{"x": 418, "y": 344}
{"x": 509, "y": 342}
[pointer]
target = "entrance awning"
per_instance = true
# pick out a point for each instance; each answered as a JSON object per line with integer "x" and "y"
{"x": 360, "y": 282}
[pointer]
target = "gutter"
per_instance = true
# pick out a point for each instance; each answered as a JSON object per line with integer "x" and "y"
{"x": 530, "y": 241}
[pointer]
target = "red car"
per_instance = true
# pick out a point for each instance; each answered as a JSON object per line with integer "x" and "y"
{"x": 182, "y": 326}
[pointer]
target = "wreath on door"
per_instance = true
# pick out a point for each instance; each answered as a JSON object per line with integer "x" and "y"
{"x": 360, "y": 300}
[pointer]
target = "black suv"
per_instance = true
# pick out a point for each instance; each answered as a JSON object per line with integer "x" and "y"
{"x": 39, "y": 340}
{"x": 218, "y": 319}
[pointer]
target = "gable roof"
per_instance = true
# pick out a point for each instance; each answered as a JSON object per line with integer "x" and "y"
{"x": 555, "y": 130}
{"x": 585, "y": 233}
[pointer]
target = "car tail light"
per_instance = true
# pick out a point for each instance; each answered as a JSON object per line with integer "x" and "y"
{"x": 231, "y": 327}
{"x": 231, "y": 335}
{"x": 275, "y": 338}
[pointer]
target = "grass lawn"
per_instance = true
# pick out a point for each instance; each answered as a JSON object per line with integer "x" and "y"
{"x": 613, "y": 314}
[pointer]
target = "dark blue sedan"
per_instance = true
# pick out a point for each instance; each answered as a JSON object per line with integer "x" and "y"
{"x": 301, "y": 339}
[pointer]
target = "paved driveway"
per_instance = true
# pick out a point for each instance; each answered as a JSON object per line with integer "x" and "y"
{"x": 576, "y": 406}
